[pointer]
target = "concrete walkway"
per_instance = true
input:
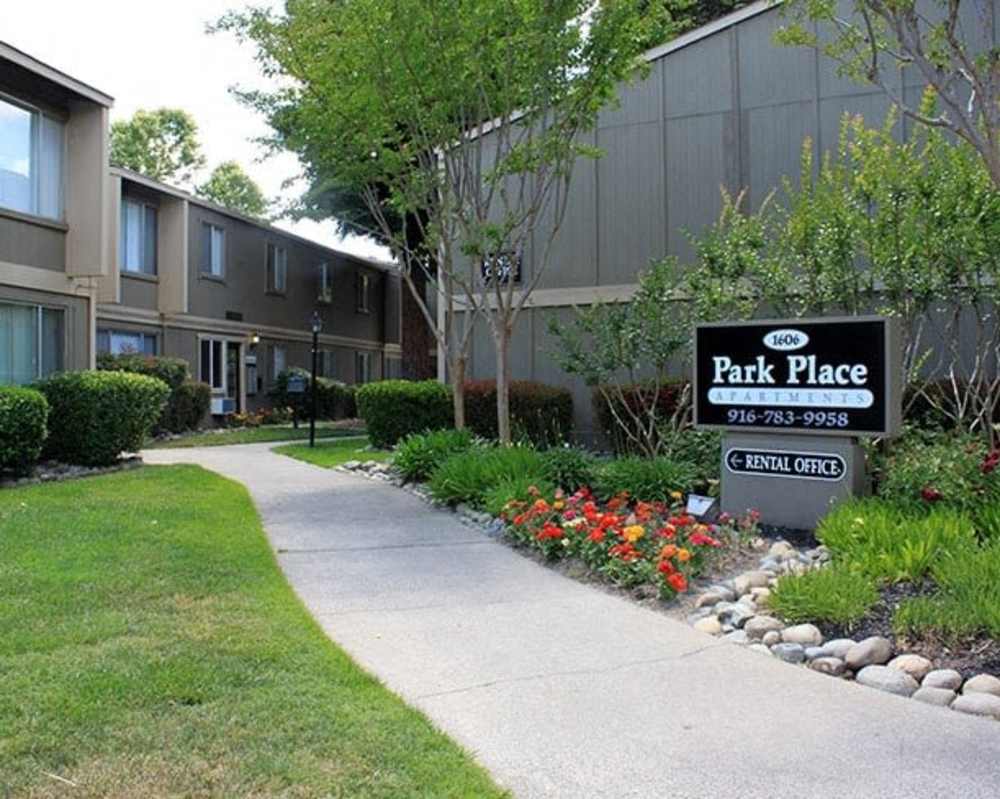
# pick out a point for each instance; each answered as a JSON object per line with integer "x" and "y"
{"x": 562, "y": 690}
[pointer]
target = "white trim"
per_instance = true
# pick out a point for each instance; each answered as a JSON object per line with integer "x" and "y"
{"x": 710, "y": 28}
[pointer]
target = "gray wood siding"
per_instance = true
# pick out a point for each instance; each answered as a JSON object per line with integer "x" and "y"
{"x": 31, "y": 244}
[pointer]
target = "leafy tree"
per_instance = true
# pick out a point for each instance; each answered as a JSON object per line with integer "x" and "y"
{"x": 947, "y": 44}
{"x": 468, "y": 111}
{"x": 681, "y": 16}
{"x": 161, "y": 144}
{"x": 232, "y": 188}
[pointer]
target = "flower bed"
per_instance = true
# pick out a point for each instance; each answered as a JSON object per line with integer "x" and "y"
{"x": 628, "y": 543}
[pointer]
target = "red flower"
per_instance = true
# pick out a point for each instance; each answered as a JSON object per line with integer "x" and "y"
{"x": 700, "y": 540}
{"x": 549, "y": 530}
{"x": 931, "y": 494}
{"x": 596, "y": 535}
{"x": 569, "y": 515}
{"x": 667, "y": 531}
{"x": 678, "y": 582}
{"x": 990, "y": 462}
{"x": 666, "y": 568}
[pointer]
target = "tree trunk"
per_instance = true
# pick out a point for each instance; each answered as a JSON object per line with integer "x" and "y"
{"x": 457, "y": 368}
{"x": 503, "y": 384}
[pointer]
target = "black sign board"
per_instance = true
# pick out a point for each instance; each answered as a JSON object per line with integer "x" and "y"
{"x": 296, "y": 384}
{"x": 786, "y": 463}
{"x": 826, "y": 376}
{"x": 504, "y": 266}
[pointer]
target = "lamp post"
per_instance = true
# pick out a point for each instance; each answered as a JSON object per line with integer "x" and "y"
{"x": 317, "y": 325}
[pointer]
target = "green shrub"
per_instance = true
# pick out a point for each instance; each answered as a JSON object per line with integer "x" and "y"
{"x": 468, "y": 476}
{"x": 701, "y": 448}
{"x": 298, "y": 401}
{"x": 392, "y": 409}
{"x": 23, "y": 416}
{"x": 539, "y": 414}
{"x": 420, "y": 453}
{"x": 187, "y": 407}
{"x": 614, "y": 409}
{"x": 569, "y": 468}
{"x": 933, "y": 469}
{"x": 519, "y": 489}
{"x": 336, "y": 400}
{"x": 835, "y": 594}
{"x": 887, "y": 542}
{"x": 967, "y": 602}
{"x": 646, "y": 479}
{"x": 179, "y": 413}
{"x": 95, "y": 416}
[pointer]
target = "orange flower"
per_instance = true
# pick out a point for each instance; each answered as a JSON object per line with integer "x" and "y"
{"x": 668, "y": 531}
{"x": 678, "y": 582}
{"x": 683, "y": 555}
{"x": 540, "y": 505}
{"x": 668, "y": 552}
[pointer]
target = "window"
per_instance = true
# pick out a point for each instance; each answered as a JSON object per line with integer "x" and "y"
{"x": 362, "y": 367}
{"x": 279, "y": 358}
{"x": 213, "y": 250}
{"x": 325, "y": 290}
{"x": 212, "y": 367}
{"x": 119, "y": 342}
{"x": 277, "y": 268}
{"x": 138, "y": 237}
{"x": 326, "y": 363}
{"x": 32, "y": 341}
{"x": 31, "y": 161}
{"x": 363, "y": 282}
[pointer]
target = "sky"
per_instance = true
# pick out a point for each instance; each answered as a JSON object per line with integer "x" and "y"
{"x": 148, "y": 55}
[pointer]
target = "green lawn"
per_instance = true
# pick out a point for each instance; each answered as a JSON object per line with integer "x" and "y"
{"x": 256, "y": 435}
{"x": 150, "y": 647}
{"x": 334, "y": 453}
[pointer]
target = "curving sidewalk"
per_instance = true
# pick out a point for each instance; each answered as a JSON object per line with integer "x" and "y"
{"x": 562, "y": 690}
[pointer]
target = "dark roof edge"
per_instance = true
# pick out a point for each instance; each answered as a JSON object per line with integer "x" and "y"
{"x": 21, "y": 58}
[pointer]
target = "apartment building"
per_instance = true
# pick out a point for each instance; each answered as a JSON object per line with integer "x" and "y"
{"x": 54, "y": 217}
{"x": 235, "y": 297}
{"x": 99, "y": 259}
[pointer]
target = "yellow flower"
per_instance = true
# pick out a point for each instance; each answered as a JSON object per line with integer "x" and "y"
{"x": 558, "y": 504}
{"x": 683, "y": 555}
{"x": 676, "y": 495}
{"x": 633, "y": 533}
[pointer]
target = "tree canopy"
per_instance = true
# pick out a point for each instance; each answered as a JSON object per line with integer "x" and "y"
{"x": 232, "y": 188}
{"x": 161, "y": 144}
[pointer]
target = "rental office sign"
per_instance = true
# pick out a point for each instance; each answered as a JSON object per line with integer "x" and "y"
{"x": 792, "y": 397}
{"x": 838, "y": 376}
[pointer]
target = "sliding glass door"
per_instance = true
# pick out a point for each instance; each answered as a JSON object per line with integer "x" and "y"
{"x": 32, "y": 341}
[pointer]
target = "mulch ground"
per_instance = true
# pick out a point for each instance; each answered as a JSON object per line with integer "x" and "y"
{"x": 968, "y": 656}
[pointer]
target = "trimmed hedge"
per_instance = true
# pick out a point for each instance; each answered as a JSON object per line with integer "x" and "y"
{"x": 184, "y": 409}
{"x": 95, "y": 416}
{"x": 188, "y": 405}
{"x": 393, "y": 409}
{"x": 539, "y": 413}
{"x": 335, "y": 400}
{"x": 666, "y": 403}
{"x": 23, "y": 416}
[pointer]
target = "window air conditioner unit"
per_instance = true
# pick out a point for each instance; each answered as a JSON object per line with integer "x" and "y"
{"x": 223, "y": 405}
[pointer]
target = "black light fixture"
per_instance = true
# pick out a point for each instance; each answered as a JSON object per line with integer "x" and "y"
{"x": 317, "y": 326}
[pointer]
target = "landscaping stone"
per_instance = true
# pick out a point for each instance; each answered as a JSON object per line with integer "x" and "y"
{"x": 758, "y": 625}
{"x": 813, "y": 652}
{"x": 883, "y": 678}
{"x": 761, "y": 649}
{"x": 916, "y": 666}
{"x": 771, "y": 638}
{"x": 736, "y": 637}
{"x": 741, "y": 584}
{"x": 725, "y": 592}
{"x": 875, "y": 650}
{"x": 709, "y": 625}
{"x": 943, "y": 678}
{"x": 708, "y": 600}
{"x": 828, "y": 665}
{"x": 758, "y": 579}
{"x": 982, "y": 684}
{"x": 781, "y": 549}
{"x": 790, "y": 653}
{"x": 804, "y": 634}
{"x": 978, "y": 705}
{"x": 942, "y": 697}
{"x": 760, "y": 594}
{"x": 838, "y": 647}
{"x": 736, "y": 615}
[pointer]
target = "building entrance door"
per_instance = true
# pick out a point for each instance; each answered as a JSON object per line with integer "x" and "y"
{"x": 233, "y": 374}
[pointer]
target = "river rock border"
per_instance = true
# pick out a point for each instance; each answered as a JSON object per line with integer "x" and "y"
{"x": 735, "y": 611}
{"x": 54, "y": 472}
